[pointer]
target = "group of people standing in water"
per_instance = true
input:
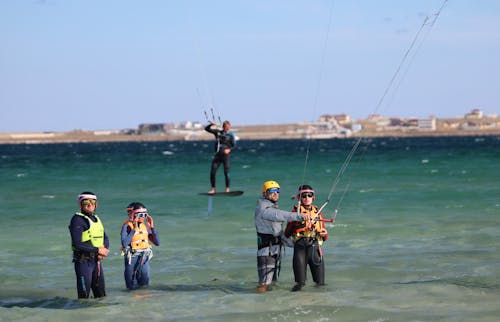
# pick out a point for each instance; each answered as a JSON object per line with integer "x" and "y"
{"x": 90, "y": 246}
{"x": 305, "y": 231}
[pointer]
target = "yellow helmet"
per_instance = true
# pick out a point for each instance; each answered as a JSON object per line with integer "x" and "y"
{"x": 269, "y": 184}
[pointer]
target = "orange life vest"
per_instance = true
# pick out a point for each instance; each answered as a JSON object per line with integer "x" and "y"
{"x": 307, "y": 228}
{"x": 141, "y": 236}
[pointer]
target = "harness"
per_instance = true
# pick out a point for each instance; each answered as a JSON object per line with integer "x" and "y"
{"x": 267, "y": 240}
{"x": 145, "y": 254}
{"x": 224, "y": 139}
{"x": 307, "y": 228}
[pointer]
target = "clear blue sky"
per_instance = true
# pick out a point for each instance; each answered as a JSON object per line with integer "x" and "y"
{"x": 68, "y": 64}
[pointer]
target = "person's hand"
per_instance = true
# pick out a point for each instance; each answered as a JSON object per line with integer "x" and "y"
{"x": 305, "y": 216}
{"x": 323, "y": 233}
{"x": 102, "y": 253}
{"x": 149, "y": 219}
{"x": 227, "y": 151}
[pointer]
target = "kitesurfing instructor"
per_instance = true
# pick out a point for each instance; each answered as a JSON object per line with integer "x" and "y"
{"x": 225, "y": 141}
{"x": 90, "y": 246}
{"x": 268, "y": 223}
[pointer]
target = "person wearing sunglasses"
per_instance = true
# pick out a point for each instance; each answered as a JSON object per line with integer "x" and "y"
{"x": 308, "y": 236}
{"x": 225, "y": 141}
{"x": 90, "y": 246}
{"x": 137, "y": 236}
{"x": 269, "y": 225}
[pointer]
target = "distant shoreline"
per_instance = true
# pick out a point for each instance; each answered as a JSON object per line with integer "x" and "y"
{"x": 271, "y": 132}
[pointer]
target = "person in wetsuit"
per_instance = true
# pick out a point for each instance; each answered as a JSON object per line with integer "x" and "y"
{"x": 137, "y": 235}
{"x": 225, "y": 141}
{"x": 308, "y": 236}
{"x": 268, "y": 223}
{"x": 90, "y": 246}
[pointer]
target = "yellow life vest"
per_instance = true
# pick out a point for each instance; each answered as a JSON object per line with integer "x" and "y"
{"x": 95, "y": 233}
{"x": 140, "y": 240}
{"x": 307, "y": 228}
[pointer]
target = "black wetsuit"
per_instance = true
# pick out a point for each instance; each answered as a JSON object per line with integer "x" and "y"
{"x": 224, "y": 140}
{"x": 88, "y": 269}
{"x": 307, "y": 249}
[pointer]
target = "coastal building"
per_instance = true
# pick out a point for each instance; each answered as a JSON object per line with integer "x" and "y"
{"x": 340, "y": 119}
{"x": 427, "y": 124}
{"x": 476, "y": 121}
{"x": 151, "y": 129}
{"x": 327, "y": 126}
{"x": 474, "y": 114}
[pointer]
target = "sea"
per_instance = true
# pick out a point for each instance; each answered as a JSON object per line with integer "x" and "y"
{"x": 416, "y": 236}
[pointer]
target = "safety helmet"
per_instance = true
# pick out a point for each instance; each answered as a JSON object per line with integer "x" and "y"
{"x": 135, "y": 205}
{"x": 86, "y": 195}
{"x": 136, "y": 208}
{"x": 305, "y": 188}
{"x": 269, "y": 184}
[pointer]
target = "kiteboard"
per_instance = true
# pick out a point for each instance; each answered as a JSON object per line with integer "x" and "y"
{"x": 223, "y": 194}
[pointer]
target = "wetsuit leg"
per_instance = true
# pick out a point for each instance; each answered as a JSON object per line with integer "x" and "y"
{"x": 84, "y": 272}
{"x": 98, "y": 285}
{"x": 316, "y": 264}
{"x": 300, "y": 262}
{"x": 216, "y": 162}
{"x": 226, "y": 170}
{"x": 129, "y": 273}
{"x": 277, "y": 260}
{"x": 266, "y": 267}
{"x": 143, "y": 276}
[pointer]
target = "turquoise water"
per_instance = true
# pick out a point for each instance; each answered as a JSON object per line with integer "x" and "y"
{"x": 416, "y": 237}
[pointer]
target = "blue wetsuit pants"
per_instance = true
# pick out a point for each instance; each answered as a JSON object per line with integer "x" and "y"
{"x": 89, "y": 276}
{"x": 137, "y": 271}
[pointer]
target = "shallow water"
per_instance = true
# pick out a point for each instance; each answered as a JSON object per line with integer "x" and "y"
{"x": 416, "y": 237}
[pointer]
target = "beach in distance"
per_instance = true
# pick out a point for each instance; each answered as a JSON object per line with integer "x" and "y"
{"x": 244, "y": 132}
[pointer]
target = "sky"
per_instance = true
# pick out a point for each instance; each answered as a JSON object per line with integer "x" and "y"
{"x": 102, "y": 65}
